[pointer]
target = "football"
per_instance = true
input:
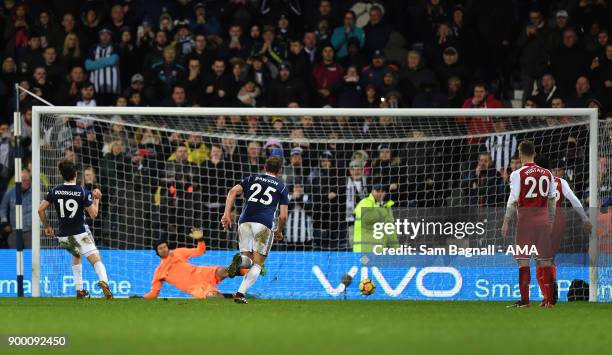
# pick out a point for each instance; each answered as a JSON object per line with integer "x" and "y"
{"x": 367, "y": 287}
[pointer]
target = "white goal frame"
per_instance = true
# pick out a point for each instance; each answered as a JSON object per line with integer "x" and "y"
{"x": 37, "y": 111}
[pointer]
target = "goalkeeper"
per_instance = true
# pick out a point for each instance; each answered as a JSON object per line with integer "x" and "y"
{"x": 174, "y": 268}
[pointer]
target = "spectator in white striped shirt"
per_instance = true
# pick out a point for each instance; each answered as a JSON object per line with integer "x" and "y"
{"x": 102, "y": 63}
{"x": 501, "y": 146}
{"x": 299, "y": 229}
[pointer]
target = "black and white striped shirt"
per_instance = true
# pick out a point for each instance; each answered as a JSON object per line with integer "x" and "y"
{"x": 502, "y": 148}
{"x": 299, "y": 222}
{"x": 105, "y": 79}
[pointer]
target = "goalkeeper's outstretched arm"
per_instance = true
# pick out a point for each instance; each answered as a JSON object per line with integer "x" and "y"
{"x": 156, "y": 285}
{"x": 226, "y": 220}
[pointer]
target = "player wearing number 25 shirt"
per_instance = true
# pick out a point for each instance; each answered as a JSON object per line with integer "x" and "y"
{"x": 532, "y": 202}
{"x": 70, "y": 202}
{"x": 263, "y": 194}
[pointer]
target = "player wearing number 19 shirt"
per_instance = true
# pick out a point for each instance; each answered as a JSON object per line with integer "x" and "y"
{"x": 532, "y": 202}
{"x": 263, "y": 195}
{"x": 70, "y": 201}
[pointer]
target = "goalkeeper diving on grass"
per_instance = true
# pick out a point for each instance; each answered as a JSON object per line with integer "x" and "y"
{"x": 175, "y": 269}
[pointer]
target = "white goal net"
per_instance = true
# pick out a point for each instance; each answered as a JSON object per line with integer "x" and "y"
{"x": 165, "y": 171}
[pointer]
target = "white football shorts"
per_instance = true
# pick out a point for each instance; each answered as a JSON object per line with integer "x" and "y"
{"x": 255, "y": 237}
{"x": 83, "y": 243}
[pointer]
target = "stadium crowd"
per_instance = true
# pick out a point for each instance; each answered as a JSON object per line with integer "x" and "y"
{"x": 292, "y": 53}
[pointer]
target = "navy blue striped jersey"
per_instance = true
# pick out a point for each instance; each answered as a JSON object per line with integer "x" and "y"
{"x": 70, "y": 202}
{"x": 262, "y": 195}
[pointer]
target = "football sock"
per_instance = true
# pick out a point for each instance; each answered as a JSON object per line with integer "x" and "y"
{"x": 243, "y": 271}
{"x": 249, "y": 278}
{"x": 101, "y": 271}
{"x": 540, "y": 278}
{"x": 77, "y": 271}
{"x": 524, "y": 280}
{"x": 245, "y": 262}
{"x": 547, "y": 281}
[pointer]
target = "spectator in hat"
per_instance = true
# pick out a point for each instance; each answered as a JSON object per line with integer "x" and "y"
{"x": 341, "y": 35}
{"x": 569, "y": 61}
{"x": 167, "y": 73}
{"x": 296, "y": 171}
{"x": 376, "y": 32}
{"x": 183, "y": 38}
{"x": 275, "y": 51}
{"x": 389, "y": 83}
{"x": 203, "y": 22}
{"x": 102, "y": 63}
{"x": 451, "y": 66}
{"x": 284, "y": 32}
{"x": 285, "y": 89}
{"x": 136, "y": 85}
{"x": 555, "y": 37}
{"x": 374, "y": 73}
{"x": 326, "y": 73}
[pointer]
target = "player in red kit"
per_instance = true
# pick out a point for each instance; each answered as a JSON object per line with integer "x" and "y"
{"x": 563, "y": 193}
{"x": 532, "y": 201}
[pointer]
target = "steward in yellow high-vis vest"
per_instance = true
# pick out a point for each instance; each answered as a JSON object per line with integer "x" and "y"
{"x": 363, "y": 239}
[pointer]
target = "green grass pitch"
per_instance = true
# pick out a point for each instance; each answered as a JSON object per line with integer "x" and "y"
{"x": 187, "y": 326}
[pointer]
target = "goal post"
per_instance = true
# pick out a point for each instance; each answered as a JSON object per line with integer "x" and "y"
{"x": 135, "y": 218}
